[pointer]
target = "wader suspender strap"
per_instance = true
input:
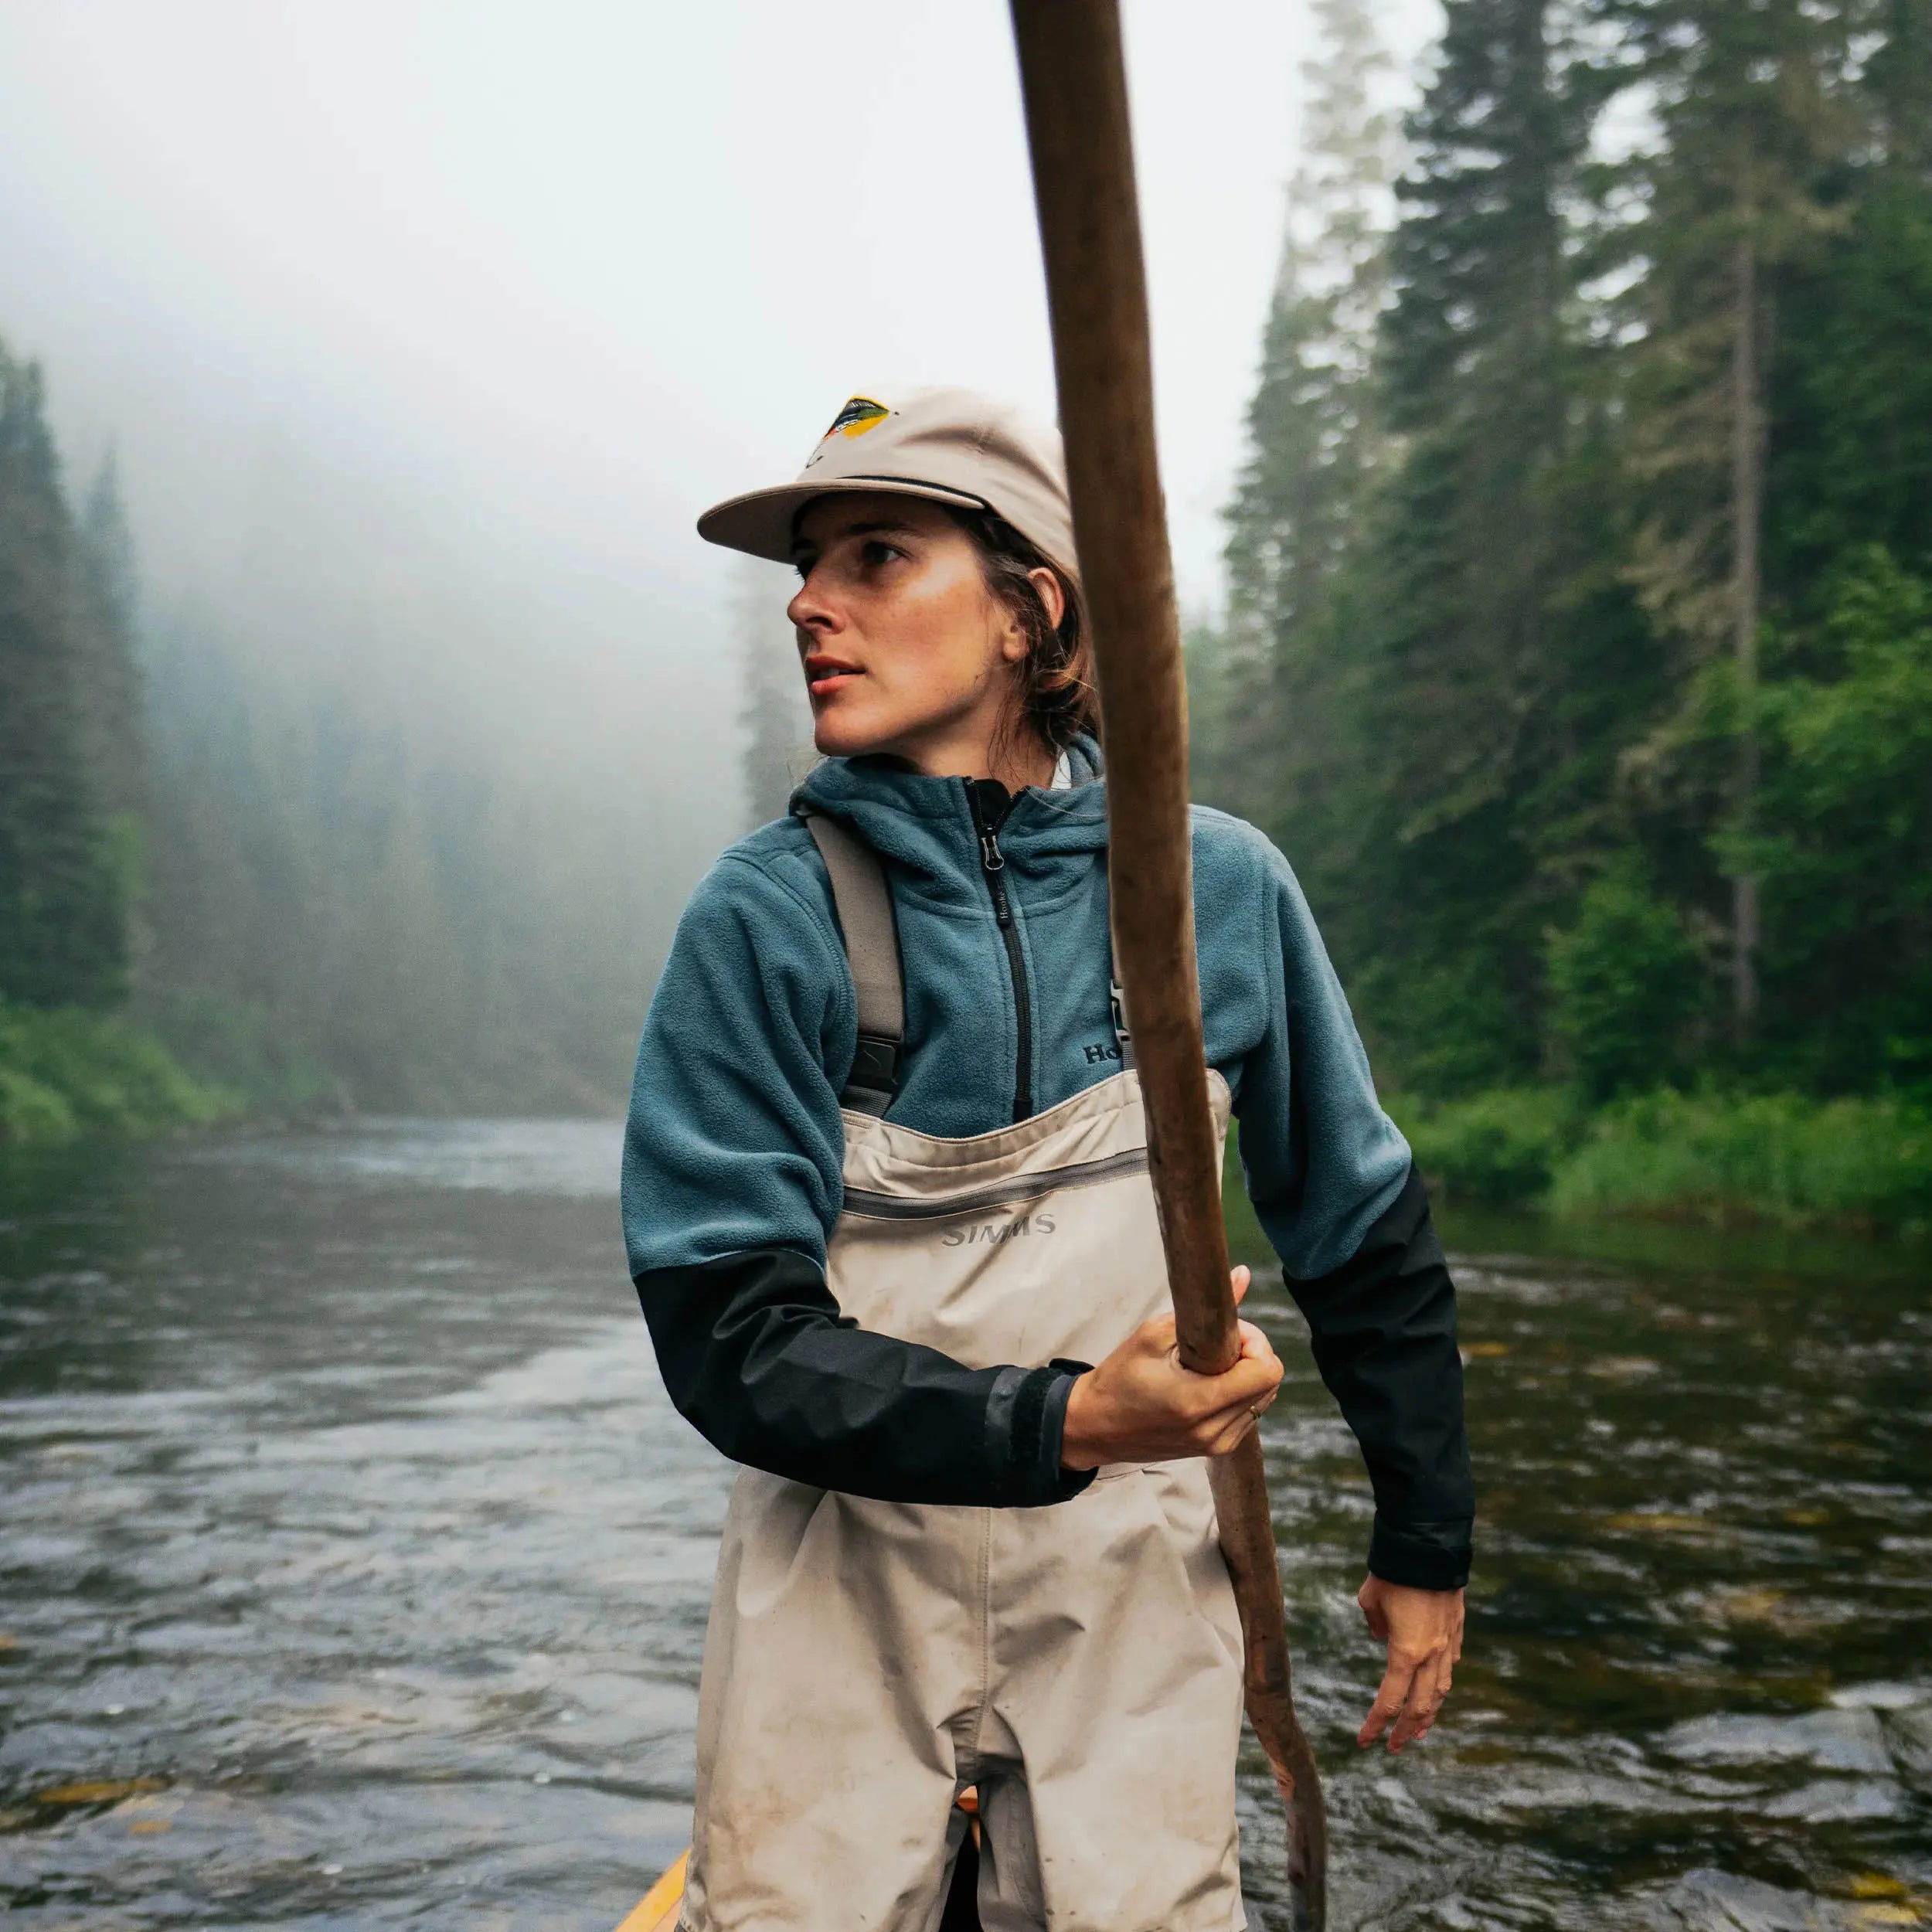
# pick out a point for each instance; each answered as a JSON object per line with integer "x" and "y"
{"x": 1117, "y": 998}
{"x": 865, "y": 907}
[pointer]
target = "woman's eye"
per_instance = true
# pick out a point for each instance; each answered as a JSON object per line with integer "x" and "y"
{"x": 875, "y": 553}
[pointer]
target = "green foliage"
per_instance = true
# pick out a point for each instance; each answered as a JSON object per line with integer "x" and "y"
{"x": 107, "y": 681}
{"x": 1539, "y": 714}
{"x": 64, "y": 900}
{"x": 1781, "y": 1158}
{"x": 310, "y": 882}
{"x": 65, "y": 1072}
{"x": 342, "y": 910}
{"x": 1495, "y": 1149}
{"x": 1626, "y": 982}
{"x": 1846, "y": 844}
{"x": 1577, "y": 651}
{"x": 1448, "y": 1019}
{"x": 1777, "y": 1157}
{"x": 32, "y": 1114}
{"x": 1850, "y": 464}
{"x": 248, "y": 1049}
{"x": 1579, "y": 641}
{"x": 1736, "y": 207}
{"x": 1316, "y": 442}
{"x": 1467, "y": 548}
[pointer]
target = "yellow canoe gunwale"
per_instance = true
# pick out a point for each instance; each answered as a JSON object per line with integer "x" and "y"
{"x": 657, "y": 1911}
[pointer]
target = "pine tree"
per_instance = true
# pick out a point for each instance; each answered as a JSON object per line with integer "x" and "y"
{"x": 1311, "y": 432}
{"x": 1264, "y": 681}
{"x": 62, "y": 923}
{"x": 1845, "y": 959}
{"x": 1495, "y": 645}
{"x": 1751, "y": 110}
{"x": 111, "y": 690}
{"x": 1849, "y": 370}
{"x": 1477, "y": 365}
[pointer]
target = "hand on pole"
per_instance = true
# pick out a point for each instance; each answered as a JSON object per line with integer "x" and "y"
{"x": 1423, "y": 1629}
{"x": 1140, "y": 1405}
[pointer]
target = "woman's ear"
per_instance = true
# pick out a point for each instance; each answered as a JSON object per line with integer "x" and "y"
{"x": 1051, "y": 595}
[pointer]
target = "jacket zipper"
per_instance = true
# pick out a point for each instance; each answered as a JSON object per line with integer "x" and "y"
{"x": 992, "y": 863}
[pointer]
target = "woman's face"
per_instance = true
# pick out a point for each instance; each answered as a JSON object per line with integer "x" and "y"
{"x": 906, "y": 651}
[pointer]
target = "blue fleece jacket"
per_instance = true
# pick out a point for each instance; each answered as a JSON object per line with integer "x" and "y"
{"x": 734, "y": 1146}
{"x": 735, "y": 1140}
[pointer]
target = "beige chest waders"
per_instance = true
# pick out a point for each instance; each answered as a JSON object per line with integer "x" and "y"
{"x": 866, "y": 1660}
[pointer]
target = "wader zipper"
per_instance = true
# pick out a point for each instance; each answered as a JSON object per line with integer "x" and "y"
{"x": 992, "y": 863}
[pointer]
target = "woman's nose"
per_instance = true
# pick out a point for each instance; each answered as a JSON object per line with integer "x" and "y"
{"x": 809, "y": 610}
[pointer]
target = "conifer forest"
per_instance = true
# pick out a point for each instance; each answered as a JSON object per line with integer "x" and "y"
{"x": 1579, "y": 640}
{"x": 1577, "y": 648}
{"x": 260, "y": 873}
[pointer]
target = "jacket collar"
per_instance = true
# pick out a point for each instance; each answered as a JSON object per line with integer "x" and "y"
{"x": 926, "y": 825}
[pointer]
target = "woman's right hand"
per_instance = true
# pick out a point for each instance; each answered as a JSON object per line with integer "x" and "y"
{"x": 1140, "y": 1405}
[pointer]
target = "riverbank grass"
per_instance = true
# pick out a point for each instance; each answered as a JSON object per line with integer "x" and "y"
{"x": 66, "y": 1073}
{"x": 1784, "y": 1159}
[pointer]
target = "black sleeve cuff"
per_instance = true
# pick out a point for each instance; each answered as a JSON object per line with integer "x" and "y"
{"x": 1053, "y": 1433}
{"x": 1026, "y": 1425}
{"x": 1423, "y": 1555}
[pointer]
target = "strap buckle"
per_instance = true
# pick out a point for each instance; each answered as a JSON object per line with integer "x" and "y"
{"x": 875, "y": 1069}
{"x": 1122, "y": 1033}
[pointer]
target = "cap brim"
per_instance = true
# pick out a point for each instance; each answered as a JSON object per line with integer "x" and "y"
{"x": 761, "y": 522}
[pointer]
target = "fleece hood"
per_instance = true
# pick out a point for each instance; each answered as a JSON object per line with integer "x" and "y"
{"x": 925, "y": 827}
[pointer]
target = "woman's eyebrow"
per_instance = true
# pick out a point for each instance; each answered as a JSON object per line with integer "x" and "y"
{"x": 804, "y": 547}
{"x": 886, "y": 527}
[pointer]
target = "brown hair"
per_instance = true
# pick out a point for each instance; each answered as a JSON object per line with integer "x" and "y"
{"x": 1055, "y": 681}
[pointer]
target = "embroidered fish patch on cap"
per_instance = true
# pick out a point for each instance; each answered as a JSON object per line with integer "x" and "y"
{"x": 856, "y": 415}
{"x": 860, "y": 414}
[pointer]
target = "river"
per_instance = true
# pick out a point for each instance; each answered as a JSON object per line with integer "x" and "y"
{"x": 354, "y": 1565}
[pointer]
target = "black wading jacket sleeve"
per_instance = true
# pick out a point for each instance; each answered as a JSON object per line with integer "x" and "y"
{"x": 758, "y": 1358}
{"x": 1383, "y": 1326}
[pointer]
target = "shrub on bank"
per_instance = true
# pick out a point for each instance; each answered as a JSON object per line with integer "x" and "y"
{"x": 1855, "y": 1163}
{"x": 1777, "y": 1157}
{"x": 65, "y": 1071}
{"x": 249, "y": 1050}
{"x": 1497, "y": 1149}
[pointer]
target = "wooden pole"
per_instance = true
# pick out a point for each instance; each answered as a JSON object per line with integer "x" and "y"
{"x": 1074, "y": 81}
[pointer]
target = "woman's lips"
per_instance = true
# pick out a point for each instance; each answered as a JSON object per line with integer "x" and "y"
{"x": 824, "y": 676}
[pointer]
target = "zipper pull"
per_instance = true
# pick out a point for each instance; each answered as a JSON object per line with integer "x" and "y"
{"x": 993, "y": 862}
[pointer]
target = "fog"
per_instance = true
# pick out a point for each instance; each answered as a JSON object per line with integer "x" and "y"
{"x": 422, "y": 332}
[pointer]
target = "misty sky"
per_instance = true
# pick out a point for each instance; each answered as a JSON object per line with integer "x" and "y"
{"x": 497, "y": 296}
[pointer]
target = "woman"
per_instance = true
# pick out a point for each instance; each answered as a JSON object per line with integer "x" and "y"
{"x": 886, "y": 1201}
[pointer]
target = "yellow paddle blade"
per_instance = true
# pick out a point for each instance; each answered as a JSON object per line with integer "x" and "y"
{"x": 657, "y": 1911}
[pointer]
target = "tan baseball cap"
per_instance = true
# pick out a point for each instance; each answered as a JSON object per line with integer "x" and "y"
{"x": 953, "y": 445}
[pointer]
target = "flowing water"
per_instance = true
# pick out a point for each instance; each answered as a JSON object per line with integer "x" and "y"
{"x": 353, "y": 1565}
